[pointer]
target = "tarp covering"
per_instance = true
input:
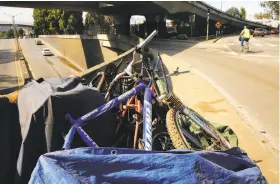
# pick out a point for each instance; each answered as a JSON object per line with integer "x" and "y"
{"x": 10, "y": 139}
{"x": 115, "y": 165}
{"x": 42, "y": 108}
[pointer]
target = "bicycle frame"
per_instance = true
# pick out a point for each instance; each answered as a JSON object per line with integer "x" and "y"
{"x": 147, "y": 117}
{"x": 132, "y": 103}
{"x": 78, "y": 123}
{"x": 147, "y": 110}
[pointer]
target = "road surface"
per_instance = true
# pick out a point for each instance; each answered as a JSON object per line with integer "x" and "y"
{"x": 248, "y": 80}
{"x": 9, "y": 71}
{"x": 43, "y": 66}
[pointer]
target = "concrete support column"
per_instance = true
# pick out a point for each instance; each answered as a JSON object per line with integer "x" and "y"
{"x": 162, "y": 30}
{"x": 156, "y": 22}
{"x": 122, "y": 24}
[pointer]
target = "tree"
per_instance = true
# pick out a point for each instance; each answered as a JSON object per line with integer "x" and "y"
{"x": 20, "y": 32}
{"x": 272, "y": 8}
{"x": 57, "y": 21}
{"x": 54, "y": 15}
{"x": 262, "y": 15}
{"x": 76, "y": 20}
{"x": 243, "y": 13}
{"x": 41, "y": 24}
{"x": 3, "y": 34}
{"x": 10, "y": 33}
{"x": 233, "y": 11}
{"x": 90, "y": 20}
{"x": 105, "y": 22}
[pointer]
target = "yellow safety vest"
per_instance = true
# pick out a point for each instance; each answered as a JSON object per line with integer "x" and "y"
{"x": 246, "y": 33}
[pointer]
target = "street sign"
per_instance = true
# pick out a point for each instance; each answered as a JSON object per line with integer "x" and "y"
{"x": 218, "y": 24}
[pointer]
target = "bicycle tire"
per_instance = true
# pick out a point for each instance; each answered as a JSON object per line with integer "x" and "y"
{"x": 176, "y": 136}
{"x": 179, "y": 140}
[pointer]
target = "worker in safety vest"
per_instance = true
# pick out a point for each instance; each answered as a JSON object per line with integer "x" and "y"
{"x": 245, "y": 36}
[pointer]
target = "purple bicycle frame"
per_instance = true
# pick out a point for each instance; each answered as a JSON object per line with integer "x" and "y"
{"x": 76, "y": 124}
{"x": 147, "y": 117}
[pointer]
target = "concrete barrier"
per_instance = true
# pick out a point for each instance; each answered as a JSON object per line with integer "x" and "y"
{"x": 87, "y": 51}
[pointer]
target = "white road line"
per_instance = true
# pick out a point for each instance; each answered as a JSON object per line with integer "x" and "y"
{"x": 230, "y": 51}
{"x": 231, "y": 44}
{"x": 257, "y": 55}
{"x": 258, "y": 45}
{"x": 272, "y": 45}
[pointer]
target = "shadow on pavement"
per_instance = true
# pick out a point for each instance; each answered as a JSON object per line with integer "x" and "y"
{"x": 8, "y": 84}
{"x": 254, "y": 52}
{"x": 168, "y": 46}
{"x": 6, "y": 56}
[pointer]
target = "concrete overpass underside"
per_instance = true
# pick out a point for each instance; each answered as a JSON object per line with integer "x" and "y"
{"x": 155, "y": 12}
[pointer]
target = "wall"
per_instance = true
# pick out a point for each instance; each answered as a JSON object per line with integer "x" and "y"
{"x": 87, "y": 51}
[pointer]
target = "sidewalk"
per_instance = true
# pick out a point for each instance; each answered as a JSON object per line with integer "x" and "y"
{"x": 197, "y": 93}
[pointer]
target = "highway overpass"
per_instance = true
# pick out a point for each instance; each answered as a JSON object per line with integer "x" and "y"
{"x": 155, "y": 12}
{"x": 6, "y": 25}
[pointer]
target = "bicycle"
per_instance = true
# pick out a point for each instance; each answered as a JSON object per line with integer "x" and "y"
{"x": 149, "y": 95}
{"x": 78, "y": 123}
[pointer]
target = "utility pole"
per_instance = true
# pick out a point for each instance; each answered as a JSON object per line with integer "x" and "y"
{"x": 208, "y": 13}
{"x": 221, "y": 6}
{"x": 14, "y": 27}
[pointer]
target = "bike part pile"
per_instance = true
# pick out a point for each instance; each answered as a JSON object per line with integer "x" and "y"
{"x": 149, "y": 116}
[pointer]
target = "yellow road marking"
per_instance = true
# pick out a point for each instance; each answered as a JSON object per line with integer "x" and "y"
{"x": 16, "y": 66}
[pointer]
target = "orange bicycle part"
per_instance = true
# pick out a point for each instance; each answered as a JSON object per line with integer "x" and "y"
{"x": 132, "y": 103}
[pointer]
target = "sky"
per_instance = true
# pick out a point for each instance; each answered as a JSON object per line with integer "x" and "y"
{"x": 252, "y": 7}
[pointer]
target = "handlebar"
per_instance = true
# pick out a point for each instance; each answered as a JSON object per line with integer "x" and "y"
{"x": 138, "y": 49}
{"x": 147, "y": 40}
{"x": 128, "y": 69}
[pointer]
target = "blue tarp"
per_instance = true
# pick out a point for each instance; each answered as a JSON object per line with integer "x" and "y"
{"x": 116, "y": 165}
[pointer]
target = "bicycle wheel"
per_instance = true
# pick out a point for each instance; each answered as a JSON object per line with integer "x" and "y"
{"x": 161, "y": 139}
{"x": 221, "y": 143}
{"x": 181, "y": 138}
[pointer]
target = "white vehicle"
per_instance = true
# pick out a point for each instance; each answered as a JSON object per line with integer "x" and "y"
{"x": 38, "y": 42}
{"x": 46, "y": 52}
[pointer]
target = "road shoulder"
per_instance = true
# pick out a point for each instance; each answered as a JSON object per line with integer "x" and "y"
{"x": 200, "y": 95}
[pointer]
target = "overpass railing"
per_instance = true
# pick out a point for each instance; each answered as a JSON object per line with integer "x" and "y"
{"x": 225, "y": 14}
{"x": 16, "y": 22}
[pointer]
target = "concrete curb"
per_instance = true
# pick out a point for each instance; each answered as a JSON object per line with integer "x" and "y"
{"x": 61, "y": 55}
{"x": 28, "y": 64}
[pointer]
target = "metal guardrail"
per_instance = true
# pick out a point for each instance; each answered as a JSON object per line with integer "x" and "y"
{"x": 230, "y": 16}
{"x": 16, "y": 23}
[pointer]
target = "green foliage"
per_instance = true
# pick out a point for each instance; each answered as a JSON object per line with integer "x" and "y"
{"x": 233, "y": 11}
{"x": 243, "y": 13}
{"x": 262, "y": 15}
{"x": 10, "y": 33}
{"x": 56, "y": 21}
{"x": 41, "y": 26}
{"x": 3, "y": 34}
{"x": 272, "y": 8}
{"x": 105, "y": 22}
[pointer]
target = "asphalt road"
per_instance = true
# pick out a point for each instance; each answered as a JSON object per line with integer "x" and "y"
{"x": 9, "y": 71}
{"x": 248, "y": 80}
{"x": 43, "y": 66}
